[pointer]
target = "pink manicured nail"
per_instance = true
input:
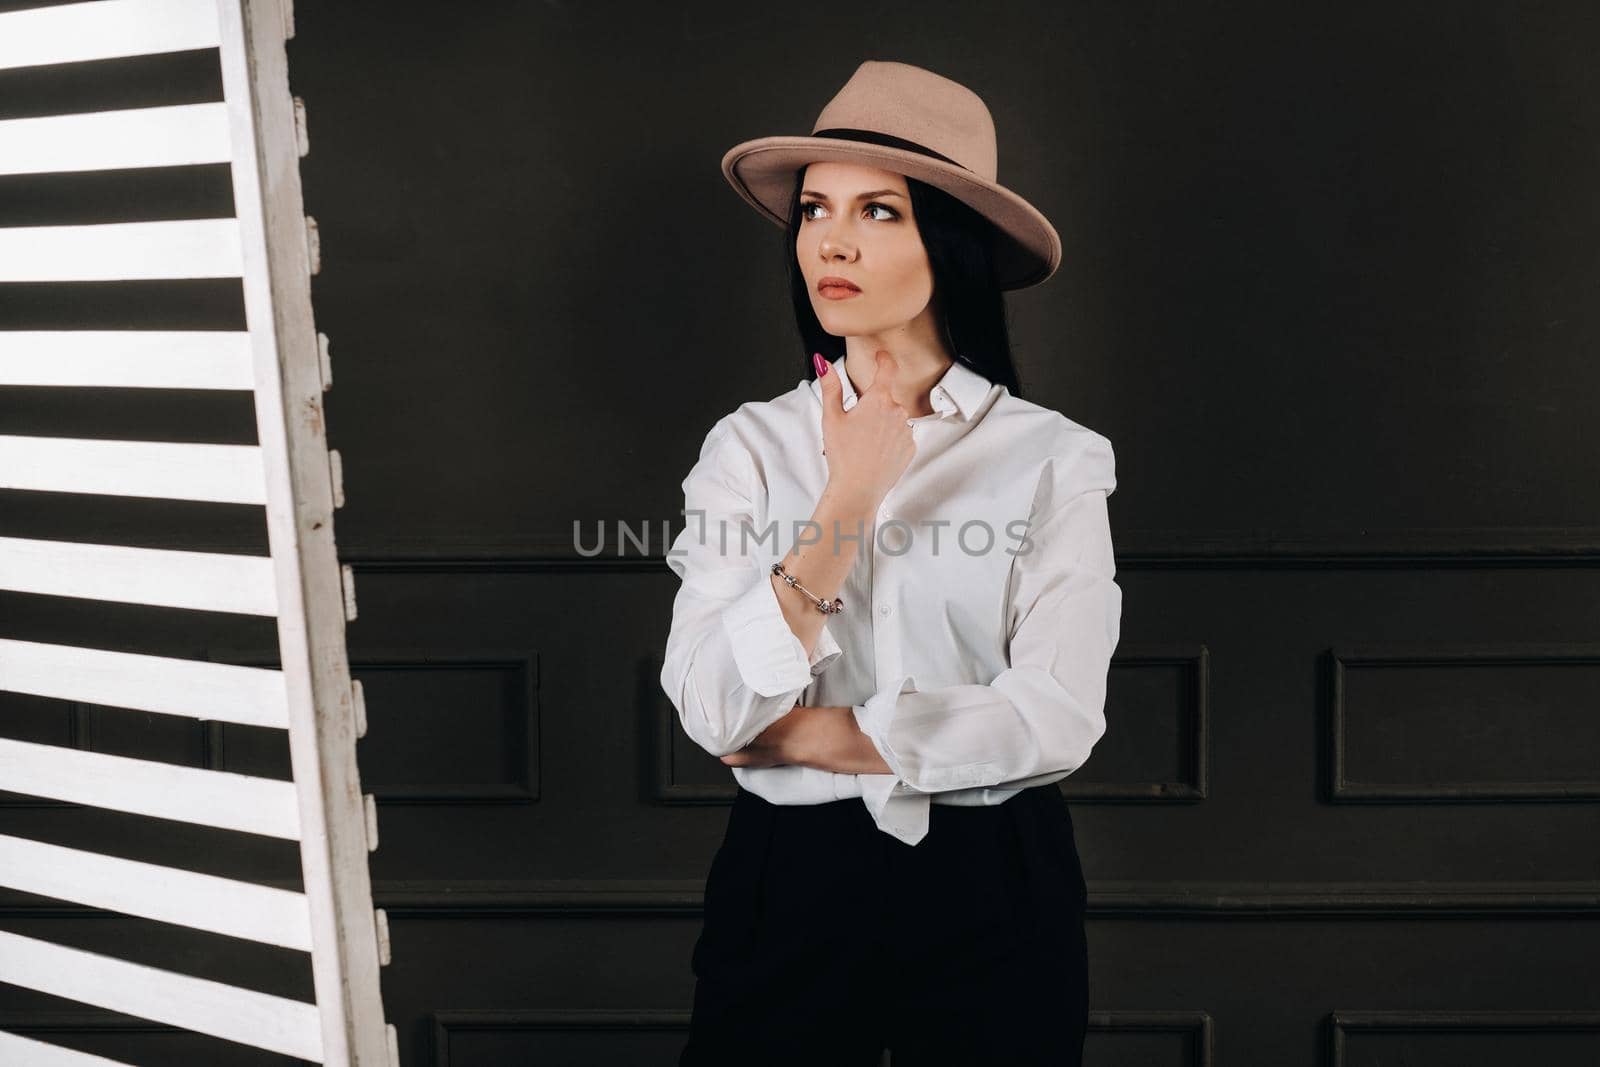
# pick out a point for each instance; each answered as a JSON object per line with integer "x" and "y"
{"x": 820, "y": 363}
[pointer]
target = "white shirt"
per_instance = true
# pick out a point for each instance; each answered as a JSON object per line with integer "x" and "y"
{"x": 975, "y": 673}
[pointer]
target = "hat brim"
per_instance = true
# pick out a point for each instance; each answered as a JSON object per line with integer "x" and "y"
{"x": 1027, "y": 248}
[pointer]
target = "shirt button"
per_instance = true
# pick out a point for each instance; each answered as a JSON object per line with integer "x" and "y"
{"x": 884, "y": 609}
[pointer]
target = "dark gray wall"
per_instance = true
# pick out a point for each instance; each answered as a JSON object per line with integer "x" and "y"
{"x": 1328, "y": 287}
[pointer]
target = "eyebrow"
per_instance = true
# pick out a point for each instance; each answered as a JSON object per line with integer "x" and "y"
{"x": 859, "y": 196}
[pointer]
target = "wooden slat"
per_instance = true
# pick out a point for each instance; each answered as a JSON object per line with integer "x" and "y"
{"x": 138, "y": 359}
{"x": 179, "y": 136}
{"x": 173, "y": 578}
{"x": 166, "y": 894}
{"x": 291, "y": 429}
{"x": 222, "y": 799}
{"x": 26, "y": 1052}
{"x": 120, "y": 251}
{"x": 223, "y": 474}
{"x": 260, "y": 1020}
{"x": 105, "y": 29}
{"x": 224, "y": 692}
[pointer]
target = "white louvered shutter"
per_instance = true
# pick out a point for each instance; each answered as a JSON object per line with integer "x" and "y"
{"x": 270, "y": 245}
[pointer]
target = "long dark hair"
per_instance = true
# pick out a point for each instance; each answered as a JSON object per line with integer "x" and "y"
{"x": 970, "y": 307}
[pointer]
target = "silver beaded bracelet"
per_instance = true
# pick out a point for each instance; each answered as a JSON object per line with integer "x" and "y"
{"x": 822, "y": 605}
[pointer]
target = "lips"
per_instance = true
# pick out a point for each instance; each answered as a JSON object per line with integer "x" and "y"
{"x": 840, "y": 286}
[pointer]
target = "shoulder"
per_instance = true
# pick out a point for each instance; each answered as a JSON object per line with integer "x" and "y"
{"x": 1075, "y": 458}
{"x": 759, "y": 427}
{"x": 756, "y": 428}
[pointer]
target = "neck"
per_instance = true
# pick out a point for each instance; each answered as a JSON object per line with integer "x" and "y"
{"x": 920, "y": 369}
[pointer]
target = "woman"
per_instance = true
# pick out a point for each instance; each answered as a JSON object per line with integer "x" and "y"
{"x": 900, "y": 675}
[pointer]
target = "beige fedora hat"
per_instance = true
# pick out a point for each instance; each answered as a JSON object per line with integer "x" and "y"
{"x": 912, "y": 121}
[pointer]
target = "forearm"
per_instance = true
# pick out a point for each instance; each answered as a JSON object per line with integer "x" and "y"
{"x": 822, "y": 557}
{"x": 822, "y": 737}
{"x": 829, "y": 739}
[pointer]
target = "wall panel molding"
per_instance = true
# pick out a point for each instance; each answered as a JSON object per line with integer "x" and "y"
{"x": 441, "y": 899}
{"x": 524, "y": 741}
{"x": 1429, "y": 786}
{"x": 1343, "y": 1025}
{"x": 398, "y": 555}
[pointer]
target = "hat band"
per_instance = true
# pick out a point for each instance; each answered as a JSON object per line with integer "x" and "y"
{"x": 887, "y": 140}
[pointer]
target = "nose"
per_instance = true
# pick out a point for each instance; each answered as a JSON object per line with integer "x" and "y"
{"x": 832, "y": 247}
{"x": 834, "y": 242}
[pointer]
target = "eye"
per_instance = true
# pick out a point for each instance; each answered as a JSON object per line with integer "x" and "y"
{"x": 807, "y": 205}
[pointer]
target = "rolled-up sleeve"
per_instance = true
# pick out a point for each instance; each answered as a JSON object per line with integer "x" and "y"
{"x": 732, "y": 667}
{"x": 1044, "y": 713}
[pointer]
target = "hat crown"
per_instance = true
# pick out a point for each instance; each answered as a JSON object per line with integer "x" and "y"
{"x": 909, "y": 102}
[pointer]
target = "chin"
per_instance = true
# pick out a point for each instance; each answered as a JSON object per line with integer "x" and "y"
{"x": 836, "y": 320}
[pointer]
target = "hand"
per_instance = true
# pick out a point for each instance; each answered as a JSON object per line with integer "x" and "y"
{"x": 871, "y": 446}
{"x": 772, "y": 747}
{"x": 826, "y": 738}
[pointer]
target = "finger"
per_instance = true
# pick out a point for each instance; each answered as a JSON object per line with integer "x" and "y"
{"x": 832, "y": 396}
{"x": 885, "y": 373}
{"x": 749, "y": 759}
{"x": 832, "y": 390}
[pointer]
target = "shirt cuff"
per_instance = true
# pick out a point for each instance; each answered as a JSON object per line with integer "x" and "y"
{"x": 770, "y": 657}
{"x": 825, "y": 653}
{"x": 897, "y": 811}
{"x": 896, "y": 808}
{"x": 875, "y": 716}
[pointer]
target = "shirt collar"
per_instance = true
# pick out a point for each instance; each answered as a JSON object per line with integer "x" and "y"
{"x": 958, "y": 392}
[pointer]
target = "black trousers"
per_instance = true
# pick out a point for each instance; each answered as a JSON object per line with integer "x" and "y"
{"x": 826, "y": 940}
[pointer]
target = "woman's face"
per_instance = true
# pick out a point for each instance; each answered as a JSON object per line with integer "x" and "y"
{"x": 856, "y": 224}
